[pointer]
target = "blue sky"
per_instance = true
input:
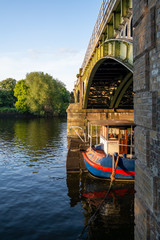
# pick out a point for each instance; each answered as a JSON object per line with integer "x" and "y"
{"x": 45, "y": 35}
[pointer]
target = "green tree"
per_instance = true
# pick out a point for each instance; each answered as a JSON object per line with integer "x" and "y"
{"x": 7, "y": 98}
{"x": 20, "y": 92}
{"x": 63, "y": 96}
{"x": 8, "y": 84}
{"x": 40, "y": 94}
{"x": 41, "y": 98}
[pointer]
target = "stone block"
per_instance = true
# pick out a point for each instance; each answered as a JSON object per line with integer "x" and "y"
{"x": 145, "y": 104}
{"x": 144, "y": 185}
{"x": 139, "y": 74}
{"x": 144, "y": 34}
{"x": 139, "y": 8}
{"x": 141, "y": 230}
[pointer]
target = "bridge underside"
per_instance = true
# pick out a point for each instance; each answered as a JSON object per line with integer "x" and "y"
{"x": 111, "y": 87}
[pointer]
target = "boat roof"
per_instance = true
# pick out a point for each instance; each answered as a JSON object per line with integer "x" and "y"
{"x": 112, "y": 122}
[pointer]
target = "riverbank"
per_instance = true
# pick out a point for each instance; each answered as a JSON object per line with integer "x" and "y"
{"x": 15, "y": 114}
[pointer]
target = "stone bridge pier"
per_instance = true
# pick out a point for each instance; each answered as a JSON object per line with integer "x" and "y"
{"x": 146, "y": 48}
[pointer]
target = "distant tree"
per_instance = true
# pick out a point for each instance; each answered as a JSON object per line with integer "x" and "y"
{"x": 63, "y": 96}
{"x": 8, "y": 84}
{"x": 20, "y": 92}
{"x": 41, "y": 96}
{"x": 7, "y": 98}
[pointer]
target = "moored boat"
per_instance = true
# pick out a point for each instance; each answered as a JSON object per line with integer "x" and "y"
{"x": 113, "y": 157}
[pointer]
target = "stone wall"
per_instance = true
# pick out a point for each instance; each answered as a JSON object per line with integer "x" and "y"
{"x": 77, "y": 116}
{"x": 146, "y": 23}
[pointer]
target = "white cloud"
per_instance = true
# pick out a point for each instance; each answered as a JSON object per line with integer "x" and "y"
{"x": 62, "y": 64}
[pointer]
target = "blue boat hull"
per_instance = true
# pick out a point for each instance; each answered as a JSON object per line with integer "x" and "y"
{"x": 100, "y": 165}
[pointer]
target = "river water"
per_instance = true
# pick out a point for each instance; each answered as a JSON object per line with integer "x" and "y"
{"x": 39, "y": 200}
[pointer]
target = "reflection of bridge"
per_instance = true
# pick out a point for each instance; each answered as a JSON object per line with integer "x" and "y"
{"x": 104, "y": 85}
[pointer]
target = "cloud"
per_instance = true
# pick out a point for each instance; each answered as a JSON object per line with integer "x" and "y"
{"x": 62, "y": 64}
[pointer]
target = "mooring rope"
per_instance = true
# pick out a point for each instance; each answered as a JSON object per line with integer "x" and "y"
{"x": 114, "y": 166}
{"x": 94, "y": 215}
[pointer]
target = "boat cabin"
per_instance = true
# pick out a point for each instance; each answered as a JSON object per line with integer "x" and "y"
{"x": 117, "y": 136}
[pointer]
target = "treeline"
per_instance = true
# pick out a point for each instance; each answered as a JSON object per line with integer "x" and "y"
{"x": 37, "y": 94}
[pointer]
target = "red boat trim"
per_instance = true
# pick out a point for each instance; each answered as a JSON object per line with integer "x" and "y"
{"x": 106, "y": 169}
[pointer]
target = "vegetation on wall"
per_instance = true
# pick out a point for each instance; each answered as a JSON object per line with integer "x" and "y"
{"x": 38, "y": 94}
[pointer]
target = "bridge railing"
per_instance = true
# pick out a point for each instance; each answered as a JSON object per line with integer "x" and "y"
{"x": 104, "y": 13}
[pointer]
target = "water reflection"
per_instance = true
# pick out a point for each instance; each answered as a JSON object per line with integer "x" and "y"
{"x": 36, "y": 133}
{"x": 31, "y": 141}
{"x": 115, "y": 219}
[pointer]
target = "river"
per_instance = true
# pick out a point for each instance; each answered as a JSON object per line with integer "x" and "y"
{"x": 39, "y": 200}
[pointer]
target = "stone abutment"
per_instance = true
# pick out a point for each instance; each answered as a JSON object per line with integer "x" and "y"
{"x": 146, "y": 47}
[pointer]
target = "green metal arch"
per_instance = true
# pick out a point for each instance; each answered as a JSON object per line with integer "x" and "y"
{"x": 120, "y": 91}
{"x": 95, "y": 67}
{"x": 124, "y": 89}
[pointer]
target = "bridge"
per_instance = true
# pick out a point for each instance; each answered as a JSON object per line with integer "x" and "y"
{"x": 104, "y": 90}
{"x": 104, "y": 86}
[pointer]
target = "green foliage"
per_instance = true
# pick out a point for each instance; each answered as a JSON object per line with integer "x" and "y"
{"x": 63, "y": 97}
{"x": 38, "y": 94}
{"x": 41, "y": 93}
{"x": 20, "y": 92}
{"x": 7, "y": 98}
{"x": 46, "y": 96}
{"x": 8, "y": 84}
{"x": 8, "y": 110}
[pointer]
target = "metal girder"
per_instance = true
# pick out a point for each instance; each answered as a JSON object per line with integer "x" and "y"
{"x": 123, "y": 92}
{"x": 106, "y": 78}
{"x": 119, "y": 93}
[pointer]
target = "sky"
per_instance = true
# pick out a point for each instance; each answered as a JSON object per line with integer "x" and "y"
{"x": 49, "y": 36}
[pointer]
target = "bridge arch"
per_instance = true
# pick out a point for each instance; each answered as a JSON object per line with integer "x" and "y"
{"x": 110, "y": 84}
{"x": 116, "y": 52}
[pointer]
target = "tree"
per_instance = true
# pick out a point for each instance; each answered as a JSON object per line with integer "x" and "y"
{"x": 7, "y": 98}
{"x": 63, "y": 98}
{"x": 8, "y": 84}
{"x": 41, "y": 93}
{"x": 20, "y": 92}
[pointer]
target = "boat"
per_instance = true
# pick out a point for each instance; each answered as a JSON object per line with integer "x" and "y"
{"x": 113, "y": 157}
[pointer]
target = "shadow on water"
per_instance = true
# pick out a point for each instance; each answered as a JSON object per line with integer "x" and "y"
{"x": 115, "y": 218}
